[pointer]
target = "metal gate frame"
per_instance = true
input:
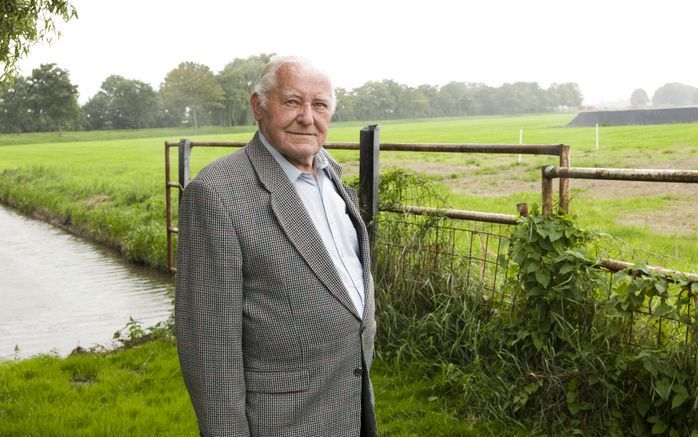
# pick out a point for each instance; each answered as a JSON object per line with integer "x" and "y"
{"x": 369, "y": 147}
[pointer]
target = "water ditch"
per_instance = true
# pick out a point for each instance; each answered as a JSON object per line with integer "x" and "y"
{"x": 58, "y": 292}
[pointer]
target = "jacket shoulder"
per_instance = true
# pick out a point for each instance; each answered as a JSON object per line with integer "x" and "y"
{"x": 228, "y": 170}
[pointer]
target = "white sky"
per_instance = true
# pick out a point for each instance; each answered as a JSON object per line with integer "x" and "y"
{"x": 608, "y": 47}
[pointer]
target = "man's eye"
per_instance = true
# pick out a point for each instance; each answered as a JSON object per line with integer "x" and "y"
{"x": 292, "y": 102}
{"x": 321, "y": 105}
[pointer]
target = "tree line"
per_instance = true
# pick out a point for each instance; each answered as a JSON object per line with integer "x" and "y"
{"x": 193, "y": 95}
{"x": 669, "y": 94}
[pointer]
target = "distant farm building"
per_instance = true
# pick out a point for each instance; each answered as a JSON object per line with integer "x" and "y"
{"x": 636, "y": 116}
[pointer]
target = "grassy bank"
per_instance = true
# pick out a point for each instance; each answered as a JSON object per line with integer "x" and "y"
{"x": 139, "y": 392}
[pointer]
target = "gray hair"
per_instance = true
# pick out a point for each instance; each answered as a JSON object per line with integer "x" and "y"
{"x": 268, "y": 82}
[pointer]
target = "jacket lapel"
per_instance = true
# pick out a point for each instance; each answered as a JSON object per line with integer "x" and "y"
{"x": 295, "y": 221}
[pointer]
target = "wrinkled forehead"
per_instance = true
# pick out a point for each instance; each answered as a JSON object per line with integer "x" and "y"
{"x": 302, "y": 81}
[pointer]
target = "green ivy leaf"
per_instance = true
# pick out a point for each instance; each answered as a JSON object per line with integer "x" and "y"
{"x": 663, "y": 309}
{"x": 643, "y": 406}
{"x": 532, "y": 388}
{"x": 663, "y": 388}
{"x": 681, "y": 395}
{"x": 650, "y": 364}
{"x": 554, "y": 234}
{"x": 532, "y": 266}
{"x": 571, "y": 397}
{"x": 574, "y": 408}
{"x": 567, "y": 268}
{"x": 659, "y": 428}
{"x": 537, "y": 342}
{"x": 543, "y": 277}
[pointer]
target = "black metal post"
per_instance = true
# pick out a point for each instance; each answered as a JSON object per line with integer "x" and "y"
{"x": 369, "y": 169}
{"x": 184, "y": 155}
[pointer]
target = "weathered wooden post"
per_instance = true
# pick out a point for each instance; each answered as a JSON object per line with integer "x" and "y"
{"x": 547, "y": 192}
{"x": 369, "y": 170}
{"x": 564, "y": 182}
{"x": 184, "y": 155}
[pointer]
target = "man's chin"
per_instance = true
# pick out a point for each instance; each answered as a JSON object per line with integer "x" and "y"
{"x": 310, "y": 147}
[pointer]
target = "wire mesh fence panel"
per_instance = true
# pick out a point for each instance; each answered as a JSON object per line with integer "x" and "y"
{"x": 431, "y": 254}
{"x": 453, "y": 255}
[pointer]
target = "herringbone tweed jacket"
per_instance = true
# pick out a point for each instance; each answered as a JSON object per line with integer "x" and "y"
{"x": 269, "y": 341}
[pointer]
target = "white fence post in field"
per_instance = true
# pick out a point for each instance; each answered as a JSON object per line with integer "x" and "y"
{"x": 597, "y": 137}
{"x": 520, "y": 141}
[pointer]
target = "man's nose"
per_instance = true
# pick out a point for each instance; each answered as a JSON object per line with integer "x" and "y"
{"x": 305, "y": 115}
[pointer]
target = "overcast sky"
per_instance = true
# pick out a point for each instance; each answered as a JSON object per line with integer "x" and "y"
{"x": 608, "y": 47}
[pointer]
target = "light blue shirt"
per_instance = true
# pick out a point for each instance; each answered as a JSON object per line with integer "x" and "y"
{"x": 327, "y": 210}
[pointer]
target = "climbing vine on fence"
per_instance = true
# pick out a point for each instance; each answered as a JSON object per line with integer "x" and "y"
{"x": 618, "y": 350}
{"x": 568, "y": 348}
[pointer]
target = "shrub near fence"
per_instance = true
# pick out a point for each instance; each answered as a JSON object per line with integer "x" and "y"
{"x": 559, "y": 345}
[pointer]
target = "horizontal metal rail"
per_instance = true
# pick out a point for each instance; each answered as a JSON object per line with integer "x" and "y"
{"x": 523, "y": 149}
{"x": 622, "y": 174}
{"x": 616, "y": 266}
{"x": 505, "y": 219}
{"x": 346, "y": 146}
{"x": 211, "y": 144}
{"x": 549, "y": 172}
{"x": 560, "y": 150}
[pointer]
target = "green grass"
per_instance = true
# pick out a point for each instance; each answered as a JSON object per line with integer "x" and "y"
{"x": 104, "y": 175}
{"x": 110, "y": 186}
{"x": 134, "y": 392}
{"x": 173, "y": 134}
{"x": 140, "y": 392}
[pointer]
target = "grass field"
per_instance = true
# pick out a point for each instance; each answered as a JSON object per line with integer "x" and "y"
{"x": 109, "y": 186}
{"x": 117, "y": 168}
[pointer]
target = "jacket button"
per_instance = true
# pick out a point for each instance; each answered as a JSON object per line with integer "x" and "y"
{"x": 358, "y": 372}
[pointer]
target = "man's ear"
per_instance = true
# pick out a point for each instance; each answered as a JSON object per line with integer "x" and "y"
{"x": 256, "y": 105}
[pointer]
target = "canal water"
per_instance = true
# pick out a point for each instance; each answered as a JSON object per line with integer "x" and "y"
{"x": 58, "y": 292}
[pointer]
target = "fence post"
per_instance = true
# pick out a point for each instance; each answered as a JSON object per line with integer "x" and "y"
{"x": 564, "y": 182}
{"x": 369, "y": 170}
{"x": 168, "y": 211}
{"x": 184, "y": 154}
{"x": 547, "y": 192}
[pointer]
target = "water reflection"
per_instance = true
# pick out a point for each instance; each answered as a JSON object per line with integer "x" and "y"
{"x": 58, "y": 292}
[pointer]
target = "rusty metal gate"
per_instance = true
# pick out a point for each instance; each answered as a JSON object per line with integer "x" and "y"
{"x": 369, "y": 148}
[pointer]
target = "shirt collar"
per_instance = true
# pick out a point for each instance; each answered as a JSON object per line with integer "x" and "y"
{"x": 320, "y": 162}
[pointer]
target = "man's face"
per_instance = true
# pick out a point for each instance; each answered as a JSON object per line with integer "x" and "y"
{"x": 297, "y": 115}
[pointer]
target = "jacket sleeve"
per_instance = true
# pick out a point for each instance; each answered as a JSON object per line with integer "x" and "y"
{"x": 208, "y": 312}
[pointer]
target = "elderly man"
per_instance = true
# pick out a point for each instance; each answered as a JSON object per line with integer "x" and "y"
{"x": 274, "y": 304}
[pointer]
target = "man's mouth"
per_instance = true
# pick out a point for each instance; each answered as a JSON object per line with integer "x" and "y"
{"x": 309, "y": 134}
